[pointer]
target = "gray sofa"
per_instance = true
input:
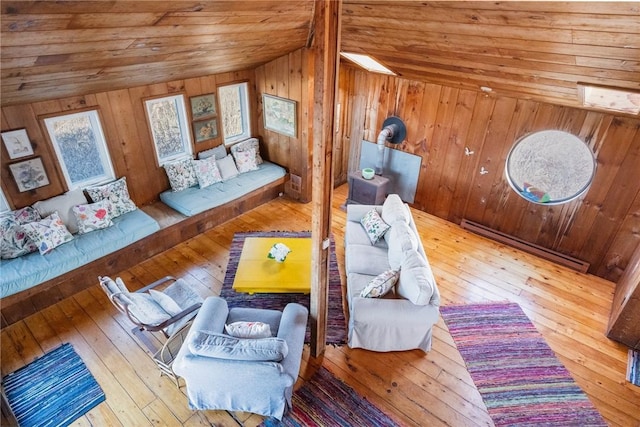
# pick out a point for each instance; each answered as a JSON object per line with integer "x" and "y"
{"x": 403, "y": 318}
{"x": 234, "y": 374}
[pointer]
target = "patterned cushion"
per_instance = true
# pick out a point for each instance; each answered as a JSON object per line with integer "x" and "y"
{"x": 207, "y": 171}
{"x": 248, "y": 329}
{"x": 63, "y": 204}
{"x": 246, "y": 160}
{"x": 14, "y": 241}
{"x": 227, "y": 168}
{"x": 93, "y": 216}
{"x": 118, "y": 195}
{"x": 222, "y": 346}
{"x": 248, "y": 144}
{"x": 181, "y": 174}
{"x": 381, "y": 284}
{"x": 374, "y": 226}
{"x": 48, "y": 233}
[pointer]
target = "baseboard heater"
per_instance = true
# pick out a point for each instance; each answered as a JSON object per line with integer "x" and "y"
{"x": 542, "y": 252}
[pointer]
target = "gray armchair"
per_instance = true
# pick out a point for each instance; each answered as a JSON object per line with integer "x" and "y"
{"x": 244, "y": 381}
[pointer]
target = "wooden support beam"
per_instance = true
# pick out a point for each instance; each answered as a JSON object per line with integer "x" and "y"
{"x": 323, "y": 69}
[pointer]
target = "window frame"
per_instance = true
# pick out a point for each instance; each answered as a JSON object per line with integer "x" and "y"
{"x": 4, "y": 203}
{"x": 245, "y": 113}
{"x": 183, "y": 124}
{"x": 101, "y": 144}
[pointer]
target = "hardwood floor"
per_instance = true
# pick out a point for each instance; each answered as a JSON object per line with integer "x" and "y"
{"x": 570, "y": 309}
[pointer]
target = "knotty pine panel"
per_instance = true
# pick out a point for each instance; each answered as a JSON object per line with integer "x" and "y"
{"x": 602, "y": 227}
{"x": 124, "y": 123}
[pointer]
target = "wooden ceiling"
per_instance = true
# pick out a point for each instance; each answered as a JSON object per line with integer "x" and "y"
{"x": 531, "y": 50}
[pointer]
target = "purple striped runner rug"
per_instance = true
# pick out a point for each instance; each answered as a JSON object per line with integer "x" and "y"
{"x": 326, "y": 401}
{"x": 518, "y": 375}
{"x": 336, "y": 323}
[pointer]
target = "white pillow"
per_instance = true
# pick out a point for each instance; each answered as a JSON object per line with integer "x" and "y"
{"x": 227, "y": 168}
{"x": 416, "y": 282}
{"x": 400, "y": 239}
{"x": 394, "y": 209}
{"x": 217, "y": 152}
{"x": 63, "y": 204}
{"x": 381, "y": 284}
{"x": 166, "y": 302}
{"x": 248, "y": 329}
{"x": 374, "y": 226}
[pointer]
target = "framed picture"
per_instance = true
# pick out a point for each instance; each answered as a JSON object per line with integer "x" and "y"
{"x": 279, "y": 114}
{"x": 205, "y": 129}
{"x": 17, "y": 143}
{"x": 203, "y": 106}
{"x": 29, "y": 174}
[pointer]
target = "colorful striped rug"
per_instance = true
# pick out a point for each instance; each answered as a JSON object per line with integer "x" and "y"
{"x": 325, "y": 401}
{"x": 336, "y": 323}
{"x": 518, "y": 375}
{"x": 53, "y": 390}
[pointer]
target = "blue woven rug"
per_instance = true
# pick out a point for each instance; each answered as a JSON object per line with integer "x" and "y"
{"x": 53, "y": 390}
{"x": 325, "y": 400}
{"x": 336, "y": 323}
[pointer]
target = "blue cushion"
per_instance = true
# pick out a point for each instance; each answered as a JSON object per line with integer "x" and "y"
{"x": 30, "y": 270}
{"x": 220, "y": 346}
{"x": 195, "y": 200}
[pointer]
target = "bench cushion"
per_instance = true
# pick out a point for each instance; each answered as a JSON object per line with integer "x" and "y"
{"x": 30, "y": 270}
{"x": 195, "y": 200}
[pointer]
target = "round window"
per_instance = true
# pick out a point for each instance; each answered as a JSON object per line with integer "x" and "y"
{"x": 550, "y": 167}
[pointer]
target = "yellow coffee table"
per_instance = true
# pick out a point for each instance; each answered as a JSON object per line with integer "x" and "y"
{"x": 258, "y": 274}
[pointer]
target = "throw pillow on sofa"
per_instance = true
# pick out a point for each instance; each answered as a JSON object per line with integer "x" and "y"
{"x": 246, "y": 145}
{"x": 245, "y": 160}
{"x": 374, "y": 226}
{"x": 416, "y": 282}
{"x": 117, "y": 193}
{"x": 14, "y": 240}
{"x": 181, "y": 174}
{"x": 381, "y": 284}
{"x": 207, "y": 171}
{"x": 93, "y": 216}
{"x": 394, "y": 209}
{"x": 227, "y": 168}
{"x": 48, "y": 233}
{"x": 62, "y": 204}
{"x": 242, "y": 329}
{"x": 217, "y": 152}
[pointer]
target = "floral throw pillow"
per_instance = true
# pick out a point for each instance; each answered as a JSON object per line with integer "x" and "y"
{"x": 181, "y": 174}
{"x": 246, "y": 145}
{"x": 48, "y": 233}
{"x": 93, "y": 216}
{"x": 117, "y": 193}
{"x": 207, "y": 171}
{"x": 246, "y": 160}
{"x": 14, "y": 241}
{"x": 248, "y": 329}
{"x": 374, "y": 225}
{"x": 381, "y": 284}
{"x": 26, "y": 215}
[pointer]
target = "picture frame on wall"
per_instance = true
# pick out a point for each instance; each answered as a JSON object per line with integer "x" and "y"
{"x": 17, "y": 143}
{"x": 203, "y": 106}
{"x": 279, "y": 114}
{"x": 29, "y": 174}
{"x": 204, "y": 130}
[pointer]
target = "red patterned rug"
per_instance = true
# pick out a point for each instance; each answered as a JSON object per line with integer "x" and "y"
{"x": 336, "y": 323}
{"x": 518, "y": 375}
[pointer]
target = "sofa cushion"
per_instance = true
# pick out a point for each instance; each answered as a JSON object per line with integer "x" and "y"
{"x": 244, "y": 329}
{"x": 181, "y": 174}
{"x": 394, "y": 209}
{"x": 62, "y": 204}
{"x": 207, "y": 172}
{"x": 217, "y": 152}
{"x": 400, "y": 239}
{"x": 144, "y": 308}
{"x": 227, "y": 168}
{"x": 117, "y": 193}
{"x": 211, "y": 344}
{"x": 374, "y": 225}
{"x": 93, "y": 216}
{"x": 245, "y": 160}
{"x": 366, "y": 259}
{"x": 381, "y": 284}
{"x": 416, "y": 281}
{"x": 48, "y": 233}
{"x": 246, "y": 145}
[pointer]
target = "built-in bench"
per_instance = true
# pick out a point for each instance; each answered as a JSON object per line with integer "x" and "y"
{"x": 172, "y": 228}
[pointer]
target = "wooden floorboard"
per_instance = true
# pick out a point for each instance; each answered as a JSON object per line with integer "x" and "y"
{"x": 570, "y": 309}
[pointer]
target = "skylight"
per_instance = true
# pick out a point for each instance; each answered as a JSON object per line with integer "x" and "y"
{"x": 368, "y": 63}
{"x": 613, "y": 99}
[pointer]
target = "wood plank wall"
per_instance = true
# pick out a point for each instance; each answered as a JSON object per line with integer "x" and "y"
{"x": 602, "y": 227}
{"x": 125, "y": 126}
